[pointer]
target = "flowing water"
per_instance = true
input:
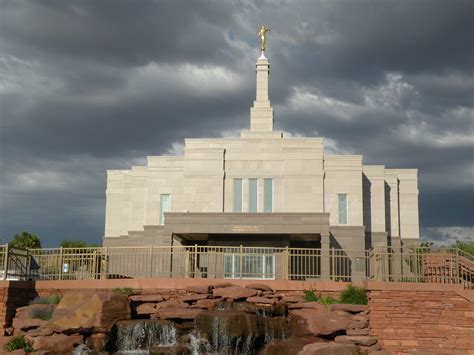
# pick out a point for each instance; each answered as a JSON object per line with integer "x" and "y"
{"x": 237, "y": 328}
{"x": 142, "y": 335}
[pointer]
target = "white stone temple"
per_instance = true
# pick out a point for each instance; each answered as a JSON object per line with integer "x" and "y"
{"x": 262, "y": 189}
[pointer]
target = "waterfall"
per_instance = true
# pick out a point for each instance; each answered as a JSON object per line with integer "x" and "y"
{"x": 141, "y": 335}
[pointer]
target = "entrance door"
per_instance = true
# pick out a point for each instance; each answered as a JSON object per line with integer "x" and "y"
{"x": 164, "y": 207}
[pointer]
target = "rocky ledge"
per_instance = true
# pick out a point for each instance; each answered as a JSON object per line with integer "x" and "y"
{"x": 266, "y": 321}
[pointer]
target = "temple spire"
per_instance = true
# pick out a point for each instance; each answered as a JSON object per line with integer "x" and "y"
{"x": 261, "y": 114}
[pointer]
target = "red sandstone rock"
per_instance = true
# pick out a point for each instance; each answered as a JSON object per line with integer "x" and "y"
{"x": 96, "y": 311}
{"x": 146, "y": 308}
{"x": 352, "y": 308}
{"x": 317, "y": 322}
{"x": 261, "y": 287}
{"x": 171, "y": 303}
{"x": 17, "y": 352}
{"x": 293, "y": 299}
{"x": 191, "y": 298}
{"x": 314, "y": 305}
{"x": 207, "y": 303}
{"x": 263, "y": 300}
{"x": 147, "y": 298}
{"x": 44, "y": 331}
{"x": 359, "y": 324}
{"x": 177, "y": 313}
{"x": 224, "y": 284}
{"x": 328, "y": 349}
{"x": 199, "y": 288}
{"x": 234, "y": 292}
{"x": 96, "y": 342}
{"x": 374, "y": 349}
{"x": 360, "y": 317}
{"x": 57, "y": 342}
{"x": 355, "y": 339}
{"x": 358, "y": 331}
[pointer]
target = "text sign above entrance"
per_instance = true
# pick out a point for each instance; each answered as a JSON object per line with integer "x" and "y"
{"x": 245, "y": 229}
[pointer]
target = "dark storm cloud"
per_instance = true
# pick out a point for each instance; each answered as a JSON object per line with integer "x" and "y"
{"x": 88, "y": 86}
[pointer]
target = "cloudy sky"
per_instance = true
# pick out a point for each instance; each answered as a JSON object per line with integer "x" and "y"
{"x": 87, "y": 86}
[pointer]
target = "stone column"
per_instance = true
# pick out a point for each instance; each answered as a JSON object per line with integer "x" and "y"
{"x": 325, "y": 257}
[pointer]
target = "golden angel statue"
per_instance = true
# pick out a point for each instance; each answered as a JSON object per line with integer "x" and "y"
{"x": 261, "y": 34}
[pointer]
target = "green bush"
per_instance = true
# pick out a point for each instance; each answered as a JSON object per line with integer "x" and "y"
{"x": 19, "y": 343}
{"x": 327, "y": 300}
{"x": 126, "y": 291}
{"x": 53, "y": 299}
{"x": 45, "y": 313}
{"x": 353, "y": 295}
{"x": 310, "y": 296}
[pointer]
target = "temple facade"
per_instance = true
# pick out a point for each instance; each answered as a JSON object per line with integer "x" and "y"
{"x": 262, "y": 189}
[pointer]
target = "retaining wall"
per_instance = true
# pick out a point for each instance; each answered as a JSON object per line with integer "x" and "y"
{"x": 404, "y": 316}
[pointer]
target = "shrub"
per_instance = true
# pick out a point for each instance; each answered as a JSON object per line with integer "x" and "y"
{"x": 327, "y": 300}
{"x": 53, "y": 299}
{"x": 310, "y": 296}
{"x": 353, "y": 295}
{"x": 126, "y": 291}
{"x": 44, "y": 313}
{"x": 19, "y": 343}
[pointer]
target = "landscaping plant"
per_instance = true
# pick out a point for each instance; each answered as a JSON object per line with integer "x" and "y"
{"x": 353, "y": 295}
{"x": 18, "y": 343}
{"x": 126, "y": 291}
{"x": 53, "y": 299}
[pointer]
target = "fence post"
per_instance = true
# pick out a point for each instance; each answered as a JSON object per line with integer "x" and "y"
{"x": 286, "y": 263}
{"x": 104, "y": 264}
{"x": 325, "y": 257}
{"x": 241, "y": 258}
{"x": 60, "y": 263}
{"x": 151, "y": 260}
{"x": 5, "y": 261}
{"x": 195, "y": 260}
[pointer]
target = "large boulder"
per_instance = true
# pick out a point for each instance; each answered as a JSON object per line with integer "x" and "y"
{"x": 57, "y": 343}
{"x": 234, "y": 292}
{"x": 328, "y": 349}
{"x": 89, "y": 311}
{"x": 318, "y": 322}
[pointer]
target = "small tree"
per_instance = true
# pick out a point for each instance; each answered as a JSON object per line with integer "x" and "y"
{"x": 467, "y": 247}
{"x": 73, "y": 244}
{"x": 25, "y": 240}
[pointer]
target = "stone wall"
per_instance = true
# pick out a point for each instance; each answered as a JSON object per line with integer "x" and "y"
{"x": 439, "y": 321}
{"x": 403, "y": 316}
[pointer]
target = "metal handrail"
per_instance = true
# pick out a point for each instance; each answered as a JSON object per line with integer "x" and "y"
{"x": 402, "y": 264}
